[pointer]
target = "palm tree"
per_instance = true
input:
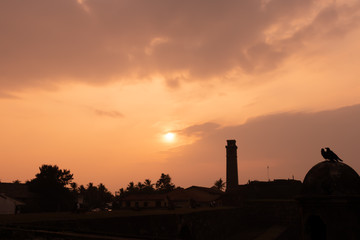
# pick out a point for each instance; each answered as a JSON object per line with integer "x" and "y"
{"x": 220, "y": 184}
{"x": 131, "y": 187}
{"x": 148, "y": 183}
{"x": 148, "y": 186}
{"x": 140, "y": 186}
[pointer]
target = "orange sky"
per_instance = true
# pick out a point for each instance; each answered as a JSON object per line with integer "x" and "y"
{"x": 93, "y": 86}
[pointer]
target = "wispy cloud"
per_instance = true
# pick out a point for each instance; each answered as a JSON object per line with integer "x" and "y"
{"x": 112, "y": 114}
{"x": 6, "y": 95}
{"x": 199, "y": 129}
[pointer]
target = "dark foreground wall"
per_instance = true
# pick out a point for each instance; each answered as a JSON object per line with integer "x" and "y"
{"x": 249, "y": 221}
{"x": 246, "y": 222}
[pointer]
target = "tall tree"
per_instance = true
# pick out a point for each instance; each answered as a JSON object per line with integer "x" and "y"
{"x": 220, "y": 184}
{"x": 50, "y": 186}
{"x": 164, "y": 183}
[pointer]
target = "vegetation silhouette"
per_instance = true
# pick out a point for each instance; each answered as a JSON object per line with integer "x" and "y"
{"x": 220, "y": 184}
{"x": 148, "y": 186}
{"x": 55, "y": 191}
{"x": 164, "y": 184}
{"x": 94, "y": 197}
{"x": 50, "y": 188}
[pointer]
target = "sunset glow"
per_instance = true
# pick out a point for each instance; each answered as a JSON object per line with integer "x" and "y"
{"x": 96, "y": 87}
{"x": 169, "y": 137}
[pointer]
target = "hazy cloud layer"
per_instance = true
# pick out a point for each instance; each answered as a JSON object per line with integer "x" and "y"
{"x": 289, "y": 143}
{"x": 97, "y": 41}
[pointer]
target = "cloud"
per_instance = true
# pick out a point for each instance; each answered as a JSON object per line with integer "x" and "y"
{"x": 173, "y": 83}
{"x": 6, "y": 95}
{"x": 287, "y": 142}
{"x": 112, "y": 114}
{"x": 199, "y": 129}
{"x": 97, "y": 41}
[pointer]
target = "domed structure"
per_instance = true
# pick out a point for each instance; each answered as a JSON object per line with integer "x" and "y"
{"x": 331, "y": 179}
{"x": 330, "y": 202}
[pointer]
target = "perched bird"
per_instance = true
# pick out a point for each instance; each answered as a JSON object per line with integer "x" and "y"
{"x": 330, "y": 155}
{"x": 324, "y": 154}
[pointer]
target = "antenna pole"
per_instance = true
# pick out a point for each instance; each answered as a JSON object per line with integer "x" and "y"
{"x": 268, "y": 173}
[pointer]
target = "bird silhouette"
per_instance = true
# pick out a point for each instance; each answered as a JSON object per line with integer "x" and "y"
{"x": 324, "y": 154}
{"x": 330, "y": 155}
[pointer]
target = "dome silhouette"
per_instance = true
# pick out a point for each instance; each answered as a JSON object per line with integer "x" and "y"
{"x": 331, "y": 179}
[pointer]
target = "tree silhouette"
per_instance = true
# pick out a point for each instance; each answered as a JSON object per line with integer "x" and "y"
{"x": 91, "y": 197}
{"x": 148, "y": 183}
{"x": 50, "y": 186}
{"x": 104, "y": 195}
{"x": 140, "y": 187}
{"x": 121, "y": 192}
{"x": 74, "y": 186}
{"x": 131, "y": 187}
{"x": 81, "y": 190}
{"x": 164, "y": 184}
{"x": 148, "y": 186}
{"x": 220, "y": 184}
{"x": 95, "y": 196}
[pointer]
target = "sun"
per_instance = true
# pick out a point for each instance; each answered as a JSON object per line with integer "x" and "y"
{"x": 169, "y": 137}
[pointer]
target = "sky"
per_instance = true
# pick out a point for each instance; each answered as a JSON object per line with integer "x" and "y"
{"x": 120, "y": 91}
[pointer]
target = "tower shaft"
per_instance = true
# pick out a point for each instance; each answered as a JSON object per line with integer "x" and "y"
{"x": 231, "y": 166}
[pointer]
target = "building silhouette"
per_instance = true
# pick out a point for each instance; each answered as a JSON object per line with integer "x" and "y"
{"x": 325, "y": 206}
{"x": 330, "y": 202}
{"x": 277, "y": 189}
